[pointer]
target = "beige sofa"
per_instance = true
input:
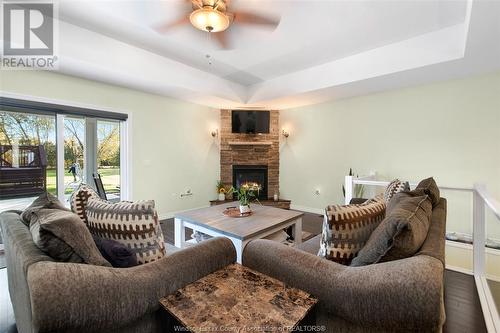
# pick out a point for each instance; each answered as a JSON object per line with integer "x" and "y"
{"x": 49, "y": 296}
{"x": 397, "y": 296}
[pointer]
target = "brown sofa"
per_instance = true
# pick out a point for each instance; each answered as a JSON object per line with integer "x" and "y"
{"x": 397, "y": 296}
{"x": 49, "y": 296}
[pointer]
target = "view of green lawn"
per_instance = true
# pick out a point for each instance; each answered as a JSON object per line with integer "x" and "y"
{"x": 110, "y": 179}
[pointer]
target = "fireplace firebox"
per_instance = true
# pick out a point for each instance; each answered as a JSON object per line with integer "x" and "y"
{"x": 251, "y": 174}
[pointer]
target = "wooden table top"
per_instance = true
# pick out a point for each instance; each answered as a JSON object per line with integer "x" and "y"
{"x": 238, "y": 297}
{"x": 262, "y": 219}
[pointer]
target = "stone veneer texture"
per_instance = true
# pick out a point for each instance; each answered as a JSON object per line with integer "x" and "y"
{"x": 250, "y": 154}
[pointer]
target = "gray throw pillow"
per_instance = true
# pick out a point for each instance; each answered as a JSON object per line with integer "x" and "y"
{"x": 401, "y": 233}
{"x": 64, "y": 237}
{"x": 45, "y": 200}
{"x": 429, "y": 187}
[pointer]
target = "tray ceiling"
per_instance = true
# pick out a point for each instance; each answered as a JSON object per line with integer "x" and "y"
{"x": 320, "y": 50}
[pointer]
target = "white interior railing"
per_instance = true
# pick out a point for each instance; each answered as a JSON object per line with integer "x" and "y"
{"x": 481, "y": 200}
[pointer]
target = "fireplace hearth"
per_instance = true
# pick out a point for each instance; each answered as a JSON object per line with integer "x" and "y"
{"x": 251, "y": 174}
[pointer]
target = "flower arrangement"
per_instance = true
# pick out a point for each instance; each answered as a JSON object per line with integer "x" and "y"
{"x": 220, "y": 187}
{"x": 221, "y": 190}
{"x": 246, "y": 192}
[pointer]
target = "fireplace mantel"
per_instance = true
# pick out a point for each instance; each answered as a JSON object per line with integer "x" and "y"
{"x": 250, "y": 143}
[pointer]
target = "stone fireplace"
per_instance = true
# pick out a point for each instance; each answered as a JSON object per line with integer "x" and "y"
{"x": 251, "y": 174}
{"x": 250, "y": 154}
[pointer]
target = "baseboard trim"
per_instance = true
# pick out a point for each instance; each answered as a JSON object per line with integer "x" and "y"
{"x": 459, "y": 269}
{"x": 307, "y": 209}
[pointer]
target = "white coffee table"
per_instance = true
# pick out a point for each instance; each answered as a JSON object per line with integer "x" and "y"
{"x": 263, "y": 222}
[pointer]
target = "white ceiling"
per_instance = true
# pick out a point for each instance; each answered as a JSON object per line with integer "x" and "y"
{"x": 320, "y": 50}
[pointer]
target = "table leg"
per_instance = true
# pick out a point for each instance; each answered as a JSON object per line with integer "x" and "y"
{"x": 297, "y": 231}
{"x": 180, "y": 233}
{"x": 239, "y": 245}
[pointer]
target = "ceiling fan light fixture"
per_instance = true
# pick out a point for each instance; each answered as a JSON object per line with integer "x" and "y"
{"x": 209, "y": 19}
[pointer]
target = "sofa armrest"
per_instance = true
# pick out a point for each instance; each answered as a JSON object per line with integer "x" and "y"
{"x": 403, "y": 294}
{"x": 66, "y": 296}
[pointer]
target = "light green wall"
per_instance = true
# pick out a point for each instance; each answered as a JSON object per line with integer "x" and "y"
{"x": 172, "y": 149}
{"x": 449, "y": 130}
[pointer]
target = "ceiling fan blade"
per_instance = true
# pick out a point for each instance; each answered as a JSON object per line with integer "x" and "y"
{"x": 221, "y": 38}
{"x": 173, "y": 24}
{"x": 195, "y": 4}
{"x": 250, "y": 18}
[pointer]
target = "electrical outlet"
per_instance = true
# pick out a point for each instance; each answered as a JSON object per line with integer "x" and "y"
{"x": 317, "y": 191}
{"x": 186, "y": 193}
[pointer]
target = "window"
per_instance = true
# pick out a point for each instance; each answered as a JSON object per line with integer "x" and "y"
{"x": 27, "y": 155}
{"x": 108, "y": 156}
{"x": 56, "y": 148}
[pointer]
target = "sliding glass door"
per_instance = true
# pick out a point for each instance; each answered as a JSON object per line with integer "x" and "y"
{"x": 55, "y": 148}
{"x": 57, "y": 153}
{"x": 108, "y": 156}
{"x": 92, "y": 149}
{"x": 27, "y": 157}
{"x": 74, "y": 146}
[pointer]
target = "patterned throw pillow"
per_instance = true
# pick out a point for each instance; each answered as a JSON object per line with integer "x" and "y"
{"x": 394, "y": 187}
{"x": 347, "y": 228}
{"x": 79, "y": 199}
{"x": 134, "y": 224}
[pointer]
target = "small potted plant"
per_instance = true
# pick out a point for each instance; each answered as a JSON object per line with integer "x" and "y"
{"x": 221, "y": 191}
{"x": 245, "y": 193}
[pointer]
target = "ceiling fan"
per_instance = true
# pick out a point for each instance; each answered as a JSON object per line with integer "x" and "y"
{"x": 212, "y": 16}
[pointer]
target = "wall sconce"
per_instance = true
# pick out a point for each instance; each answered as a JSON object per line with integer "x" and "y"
{"x": 214, "y": 133}
{"x": 285, "y": 133}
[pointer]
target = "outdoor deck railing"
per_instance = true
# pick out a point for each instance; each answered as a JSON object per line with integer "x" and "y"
{"x": 22, "y": 170}
{"x": 481, "y": 201}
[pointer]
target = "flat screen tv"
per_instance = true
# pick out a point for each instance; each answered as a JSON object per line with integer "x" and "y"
{"x": 251, "y": 122}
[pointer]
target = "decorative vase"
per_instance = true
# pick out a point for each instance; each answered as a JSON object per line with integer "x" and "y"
{"x": 245, "y": 209}
{"x": 222, "y": 197}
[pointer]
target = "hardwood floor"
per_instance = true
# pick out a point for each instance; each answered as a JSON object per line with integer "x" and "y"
{"x": 7, "y": 321}
{"x": 463, "y": 309}
{"x": 461, "y": 302}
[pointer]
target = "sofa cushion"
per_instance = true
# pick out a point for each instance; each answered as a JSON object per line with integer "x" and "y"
{"x": 45, "y": 200}
{"x": 394, "y": 187}
{"x": 133, "y": 224}
{"x": 429, "y": 187}
{"x": 117, "y": 254}
{"x": 347, "y": 228}
{"x": 79, "y": 199}
{"x": 401, "y": 233}
{"x": 64, "y": 237}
